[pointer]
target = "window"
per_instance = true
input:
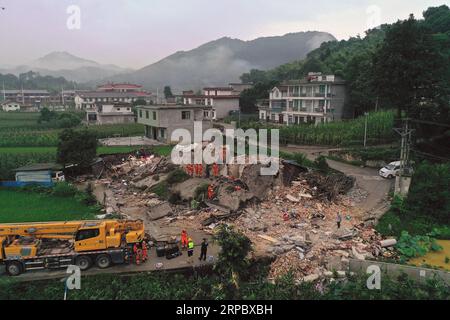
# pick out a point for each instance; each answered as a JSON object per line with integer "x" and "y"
{"x": 291, "y": 105}
{"x": 185, "y": 115}
{"x": 140, "y": 113}
{"x": 322, "y": 89}
{"x": 147, "y": 114}
{"x": 87, "y": 234}
{"x": 154, "y": 115}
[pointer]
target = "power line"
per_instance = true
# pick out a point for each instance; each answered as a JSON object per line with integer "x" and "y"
{"x": 431, "y": 122}
{"x": 429, "y": 155}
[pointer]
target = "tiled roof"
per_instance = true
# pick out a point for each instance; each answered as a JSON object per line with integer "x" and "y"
{"x": 119, "y": 86}
{"x": 101, "y": 94}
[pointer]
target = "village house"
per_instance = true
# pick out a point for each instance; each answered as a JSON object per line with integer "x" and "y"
{"x": 18, "y": 106}
{"x": 111, "y": 94}
{"x": 315, "y": 99}
{"x": 35, "y": 98}
{"x": 110, "y": 114}
{"x": 10, "y": 106}
{"x": 161, "y": 120}
{"x": 222, "y": 100}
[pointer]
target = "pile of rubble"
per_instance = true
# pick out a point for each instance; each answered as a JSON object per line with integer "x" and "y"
{"x": 297, "y": 226}
{"x": 290, "y": 216}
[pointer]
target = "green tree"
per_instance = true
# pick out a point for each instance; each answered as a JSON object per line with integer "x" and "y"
{"x": 249, "y": 97}
{"x": 46, "y": 115}
{"x": 408, "y": 66}
{"x": 233, "y": 257}
{"x": 168, "y": 92}
{"x": 429, "y": 194}
{"x": 77, "y": 147}
{"x": 437, "y": 19}
{"x": 139, "y": 102}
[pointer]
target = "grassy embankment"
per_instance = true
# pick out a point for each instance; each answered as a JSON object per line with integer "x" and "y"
{"x": 25, "y": 206}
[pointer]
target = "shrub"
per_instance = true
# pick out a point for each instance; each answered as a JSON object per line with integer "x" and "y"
{"x": 321, "y": 164}
{"x": 177, "y": 176}
{"x": 161, "y": 190}
{"x": 64, "y": 189}
{"x": 415, "y": 246}
{"x": 200, "y": 192}
{"x": 429, "y": 193}
{"x": 175, "y": 197}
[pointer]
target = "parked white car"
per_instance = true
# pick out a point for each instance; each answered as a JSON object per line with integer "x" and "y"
{"x": 58, "y": 176}
{"x": 389, "y": 171}
{"x": 392, "y": 169}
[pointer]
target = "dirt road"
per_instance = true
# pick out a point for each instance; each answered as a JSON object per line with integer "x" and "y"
{"x": 377, "y": 188}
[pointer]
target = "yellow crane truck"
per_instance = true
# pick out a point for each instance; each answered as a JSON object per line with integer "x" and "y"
{"x": 52, "y": 245}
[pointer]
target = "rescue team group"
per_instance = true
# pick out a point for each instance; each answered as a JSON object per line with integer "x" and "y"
{"x": 139, "y": 254}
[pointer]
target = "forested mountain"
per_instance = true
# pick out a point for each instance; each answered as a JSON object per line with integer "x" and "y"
{"x": 33, "y": 80}
{"x": 222, "y": 61}
{"x": 405, "y": 65}
{"x": 64, "y": 64}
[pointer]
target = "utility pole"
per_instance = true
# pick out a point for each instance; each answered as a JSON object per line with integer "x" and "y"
{"x": 405, "y": 147}
{"x": 4, "y": 93}
{"x": 366, "y": 114}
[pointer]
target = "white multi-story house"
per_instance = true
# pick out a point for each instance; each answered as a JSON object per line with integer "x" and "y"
{"x": 110, "y": 114}
{"x": 315, "y": 99}
{"x": 111, "y": 94}
{"x": 222, "y": 101}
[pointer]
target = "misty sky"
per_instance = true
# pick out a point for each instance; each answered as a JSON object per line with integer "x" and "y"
{"x": 135, "y": 33}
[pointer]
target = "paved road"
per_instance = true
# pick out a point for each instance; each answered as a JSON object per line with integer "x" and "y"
{"x": 176, "y": 264}
{"x": 366, "y": 178}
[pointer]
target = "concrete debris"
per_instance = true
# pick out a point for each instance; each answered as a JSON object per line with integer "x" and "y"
{"x": 292, "y": 198}
{"x": 159, "y": 211}
{"x": 388, "y": 243}
{"x": 311, "y": 278}
{"x": 290, "y": 216}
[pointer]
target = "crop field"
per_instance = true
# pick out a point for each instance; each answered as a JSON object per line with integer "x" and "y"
{"x": 19, "y": 129}
{"x": 339, "y": 133}
{"x": 12, "y": 158}
{"x": 24, "y": 141}
{"x": 20, "y": 206}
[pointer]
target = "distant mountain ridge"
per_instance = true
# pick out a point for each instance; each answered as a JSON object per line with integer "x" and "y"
{"x": 222, "y": 61}
{"x": 69, "y": 66}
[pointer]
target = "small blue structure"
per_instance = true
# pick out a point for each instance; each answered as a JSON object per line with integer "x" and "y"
{"x": 42, "y": 173}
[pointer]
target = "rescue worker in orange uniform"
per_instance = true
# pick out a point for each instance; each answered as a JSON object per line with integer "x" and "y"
{"x": 138, "y": 256}
{"x": 215, "y": 169}
{"x": 135, "y": 252}
{"x": 184, "y": 239}
{"x": 144, "y": 251}
{"x": 199, "y": 170}
{"x": 210, "y": 192}
{"x": 190, "y": 169}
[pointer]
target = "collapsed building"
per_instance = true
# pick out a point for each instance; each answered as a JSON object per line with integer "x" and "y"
{"x": 289, "y": 217}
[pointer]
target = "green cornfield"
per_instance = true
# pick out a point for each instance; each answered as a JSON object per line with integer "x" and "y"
{"x": 9, "y": 162}
{"x": 32, "y": 137}
{"x": 339, "y": 133}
